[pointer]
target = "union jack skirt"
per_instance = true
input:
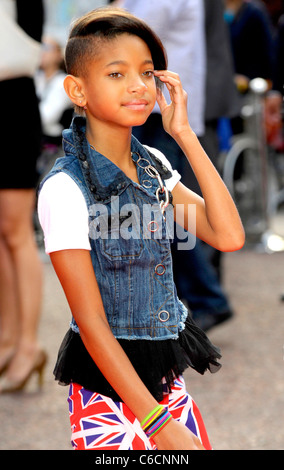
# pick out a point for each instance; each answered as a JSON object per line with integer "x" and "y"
{"x": 99, "y": 423}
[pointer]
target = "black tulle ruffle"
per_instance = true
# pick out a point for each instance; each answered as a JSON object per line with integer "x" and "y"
{"x": 157, "y": 363}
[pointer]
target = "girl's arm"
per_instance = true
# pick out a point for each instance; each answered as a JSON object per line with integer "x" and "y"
{"x": 75, "y": 271}
{"x": 217, "y": 219}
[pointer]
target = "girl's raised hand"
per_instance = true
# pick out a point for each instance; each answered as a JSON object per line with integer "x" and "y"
{"x": 174, "y": 114}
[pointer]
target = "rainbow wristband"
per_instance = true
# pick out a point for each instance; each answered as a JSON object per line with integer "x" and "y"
{"x": 159, "y": 425}
{"x": 155, "y": 421}
{"x": 155, "y": 413}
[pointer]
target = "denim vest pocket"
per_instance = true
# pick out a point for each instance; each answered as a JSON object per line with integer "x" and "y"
{"x": 119, "y": 238}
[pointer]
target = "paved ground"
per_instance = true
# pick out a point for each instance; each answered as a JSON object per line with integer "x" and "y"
{"x": 242, "y": 405}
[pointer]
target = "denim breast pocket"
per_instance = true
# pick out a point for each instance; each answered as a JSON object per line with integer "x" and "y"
{"x": 120, "y": 235}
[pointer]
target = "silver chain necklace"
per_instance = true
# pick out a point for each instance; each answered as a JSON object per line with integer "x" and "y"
{"x": 153, "y": 173}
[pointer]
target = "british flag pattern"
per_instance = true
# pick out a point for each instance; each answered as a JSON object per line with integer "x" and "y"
{"x": 99, "y": 423}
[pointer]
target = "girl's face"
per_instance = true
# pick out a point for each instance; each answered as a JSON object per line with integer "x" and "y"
{"x": 119, "y": 86}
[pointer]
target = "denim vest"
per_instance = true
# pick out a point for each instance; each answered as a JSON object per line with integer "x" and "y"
{"x": 129, "y": 238}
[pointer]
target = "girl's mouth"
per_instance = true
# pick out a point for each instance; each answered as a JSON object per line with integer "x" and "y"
{"x": 136, "y": 105}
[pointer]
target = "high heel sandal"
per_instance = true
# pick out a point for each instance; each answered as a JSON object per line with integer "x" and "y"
{"x": 6, "y": 363}
{"x": 7, "y": 385}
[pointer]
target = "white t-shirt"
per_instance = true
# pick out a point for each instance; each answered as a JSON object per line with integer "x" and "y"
{"x": 63, "y": 211}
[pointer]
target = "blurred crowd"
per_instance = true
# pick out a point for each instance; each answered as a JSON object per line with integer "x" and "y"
{"x": 216, "y": 46}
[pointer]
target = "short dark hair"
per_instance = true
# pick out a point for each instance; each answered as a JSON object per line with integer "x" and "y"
{"x": 103, "y": 24}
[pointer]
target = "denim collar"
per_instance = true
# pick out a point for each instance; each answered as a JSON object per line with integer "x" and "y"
{"x": 102, "y": 176}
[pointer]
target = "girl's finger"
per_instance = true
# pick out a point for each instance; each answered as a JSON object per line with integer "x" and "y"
{"x": 161, "y": 100}
{"x": 171, "y": 80}
{"x": 166, "y": 75}
{"x": 173, "y": 85}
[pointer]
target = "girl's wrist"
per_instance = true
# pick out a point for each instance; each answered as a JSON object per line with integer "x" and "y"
{"x": 184, "y": 134}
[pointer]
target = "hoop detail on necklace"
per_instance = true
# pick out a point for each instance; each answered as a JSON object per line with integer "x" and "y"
{"x": 151, "y": 171}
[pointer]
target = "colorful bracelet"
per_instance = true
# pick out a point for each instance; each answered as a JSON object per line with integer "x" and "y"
{"x": 159, "y": 425}
{"x": 151, "y": 416}
{"x": 155, "y": 421}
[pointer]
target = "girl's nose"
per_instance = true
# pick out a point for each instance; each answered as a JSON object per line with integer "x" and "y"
{"x": 137, "y": 86}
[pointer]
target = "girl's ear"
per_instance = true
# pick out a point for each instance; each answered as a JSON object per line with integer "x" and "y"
{"x": 74, "y": 89}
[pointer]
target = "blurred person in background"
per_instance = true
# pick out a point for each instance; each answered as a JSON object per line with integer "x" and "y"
{"x": 274, "y": 112}
{"x": 222, "y": 101}
{"x": 21, "y": 355}
{"x": 255, "y": 48}
{"x": 275, "y": 11}
{"x": 251, "y": 42}
{"x": 54, "y": 105}
{"x": 50, "y": 91}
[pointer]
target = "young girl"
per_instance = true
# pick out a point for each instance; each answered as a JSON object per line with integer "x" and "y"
{"x": 105, "y": 208}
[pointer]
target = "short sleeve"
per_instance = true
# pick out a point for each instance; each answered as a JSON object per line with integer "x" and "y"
{"x": 63, "y": 214}
{"x": 175, "y": 178}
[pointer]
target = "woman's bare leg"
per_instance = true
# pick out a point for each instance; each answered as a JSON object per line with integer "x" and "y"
{"x": 21, "y": 280}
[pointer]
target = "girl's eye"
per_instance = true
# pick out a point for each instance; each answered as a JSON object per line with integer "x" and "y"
{"x": 115, "y": 75}
{"x": 148, "y": 73}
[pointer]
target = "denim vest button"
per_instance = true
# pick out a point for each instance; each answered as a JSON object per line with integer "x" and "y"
{"x": 160, "y": 269}
{"x": 163, "y": 315}
{"x": 153, "y": 226}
